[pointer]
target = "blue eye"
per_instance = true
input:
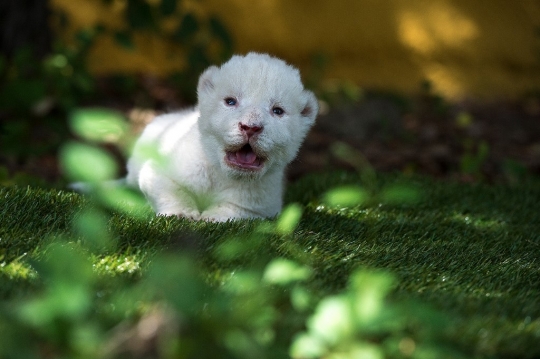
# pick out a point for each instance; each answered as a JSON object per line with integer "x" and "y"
{"x": 278, "y": 111}
{"x": 229, "y": 101}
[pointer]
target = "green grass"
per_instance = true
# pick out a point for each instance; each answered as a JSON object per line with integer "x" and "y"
{"x": 470, "y": 251}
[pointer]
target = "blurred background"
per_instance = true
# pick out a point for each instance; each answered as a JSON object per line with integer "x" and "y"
{"x": 446, "y": 88}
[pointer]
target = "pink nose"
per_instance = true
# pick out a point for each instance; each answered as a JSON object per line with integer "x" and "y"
{"x": 250, "y": 130}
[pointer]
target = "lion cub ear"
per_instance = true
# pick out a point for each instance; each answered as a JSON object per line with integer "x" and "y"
{"x": 311, "y": 108}
{"x": 206, "y": 80}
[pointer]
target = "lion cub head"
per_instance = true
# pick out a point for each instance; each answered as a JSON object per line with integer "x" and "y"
{"x": 255, "y": 114}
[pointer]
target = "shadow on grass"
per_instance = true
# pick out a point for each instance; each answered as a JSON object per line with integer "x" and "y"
{"x": 469, "y": 250}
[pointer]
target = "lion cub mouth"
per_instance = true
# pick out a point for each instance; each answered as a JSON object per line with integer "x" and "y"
{"x": 244, "y": 158}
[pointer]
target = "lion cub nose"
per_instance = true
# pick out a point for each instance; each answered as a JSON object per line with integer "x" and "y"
{"x": 250, "y": 130}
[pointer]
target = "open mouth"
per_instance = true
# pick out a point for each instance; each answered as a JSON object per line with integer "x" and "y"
{"x": 244, "y": 158}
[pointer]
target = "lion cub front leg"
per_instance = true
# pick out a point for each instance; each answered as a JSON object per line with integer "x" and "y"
{"x": 175, "y": 203}
{"x": 165, "y": 195}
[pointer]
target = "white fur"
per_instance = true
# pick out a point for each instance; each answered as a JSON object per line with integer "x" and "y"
{"x": 180, "y": 161}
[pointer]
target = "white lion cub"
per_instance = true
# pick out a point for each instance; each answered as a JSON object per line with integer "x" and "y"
{"x": 226, "y": 158}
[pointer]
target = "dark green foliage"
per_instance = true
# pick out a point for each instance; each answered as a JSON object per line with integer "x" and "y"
{"x": 139, "y": 15}
{"x": 188, "y": 27}
{"x": 37, "y": 94}
{"x": 204, "y": 39}
{"x": 168, "y": 7}
{"x": 219, "y": 30}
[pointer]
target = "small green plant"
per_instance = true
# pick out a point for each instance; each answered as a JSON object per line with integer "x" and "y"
{"x": 333, "y": 92}
{"x": 204, "y": 39}
{"x": 431, "y": 101}
{"x": 474, "y": 158}
{"x": 475, "y": 153}
{"x": 367, "y": 191}
{"x": 514, "y": 171}
{"x": 36, "y": 95}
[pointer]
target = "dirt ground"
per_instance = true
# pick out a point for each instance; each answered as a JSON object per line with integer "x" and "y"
{"x": 497, "y": 141}
{"x": 467, "y": 141}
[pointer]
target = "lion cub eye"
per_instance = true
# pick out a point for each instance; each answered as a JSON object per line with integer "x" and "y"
{"x": 229, "y": 101}
{"x": 278, "y": 111}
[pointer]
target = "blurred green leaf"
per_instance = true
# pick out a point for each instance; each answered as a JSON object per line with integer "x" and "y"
{"x": 283, "y": 271}
{"x": 301, "y": 298}
{"x": 369, "y": 289}
{"x": 235, "y": 248}
{"x": 365, "y": 351}
{"x": 92, "y": 226}
{"x": 86, "y": 163}
{"x": 61, "y": 302}
{"x": 242, "y": 344}
{"x": 176, "y": 279}
{"x": 306, "y": 346}
{"x": 65, "y": 264}
{"x": 333, "y": 320}
{"x": 220, "y": 31}
{"x": 149, "y": 151}
{"x": 69, "y": 276}
{"x": 243, "y": 282}
{"x": 289, "y": 218}
{"x": 101, "y": 125}
{"x": 88, "y": 338}
{"x": 125, "y": 200}
{"x": 57, "y": 60}
{"x": 230, "y": 249}
{"x": 346, "y": 196}
{"x": 400, "y": 194}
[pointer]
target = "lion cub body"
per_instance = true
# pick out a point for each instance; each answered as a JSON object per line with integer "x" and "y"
{"x": 226, "y": 158}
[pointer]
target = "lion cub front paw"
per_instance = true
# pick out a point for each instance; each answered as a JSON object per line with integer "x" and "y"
{"x": 221, "y": 214}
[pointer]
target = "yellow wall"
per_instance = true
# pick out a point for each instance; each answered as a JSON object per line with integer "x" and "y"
{"x": 486, "y": 48}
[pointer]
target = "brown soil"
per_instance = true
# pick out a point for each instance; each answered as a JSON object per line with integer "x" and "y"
{"x": 429, "y": 137}
{"x": 421, "y": 135}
